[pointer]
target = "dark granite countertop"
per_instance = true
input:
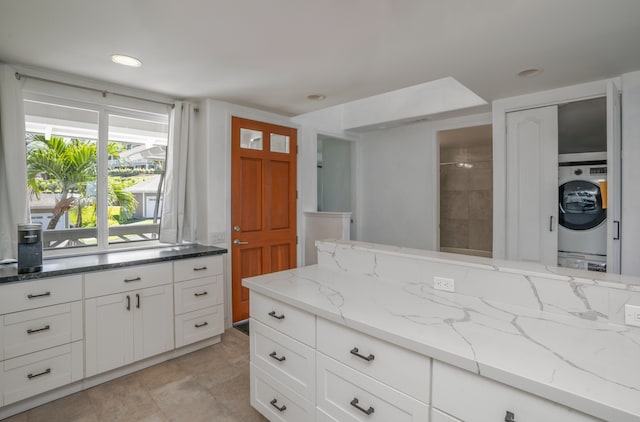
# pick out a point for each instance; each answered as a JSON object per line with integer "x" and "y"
{"x": 55, "y": 267}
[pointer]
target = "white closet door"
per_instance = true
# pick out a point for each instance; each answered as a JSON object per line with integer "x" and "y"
{"x": 532, "y": 185}
{"x": 614, "y": 177}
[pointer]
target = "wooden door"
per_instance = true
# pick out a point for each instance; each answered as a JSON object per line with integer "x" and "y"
{"x": 263, "y": 204}
{"x": 532, "y": 185}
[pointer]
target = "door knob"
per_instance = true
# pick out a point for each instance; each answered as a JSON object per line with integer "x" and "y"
{"x": 236, "y": 228}
{"x": 238, "y": 242}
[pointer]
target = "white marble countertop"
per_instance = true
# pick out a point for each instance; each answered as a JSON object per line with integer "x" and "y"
{"x": 590, "y": 366}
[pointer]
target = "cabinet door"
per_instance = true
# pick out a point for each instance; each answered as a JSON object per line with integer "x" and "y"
{"x": 153, "y": 320}
{"x": 532, "y": 185}
{"x": 109, "y": 335}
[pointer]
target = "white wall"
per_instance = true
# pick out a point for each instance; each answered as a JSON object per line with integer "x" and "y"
{"x": 630, "y": 221}
{"x": 336, "y": 175}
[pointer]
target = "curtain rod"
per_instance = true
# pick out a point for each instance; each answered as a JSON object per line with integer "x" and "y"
{"x": 104, "y": 92}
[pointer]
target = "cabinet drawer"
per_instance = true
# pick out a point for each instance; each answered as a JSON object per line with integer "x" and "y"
{"x": 104, "y": 283}
{"x": 347, "y": 395}
{"x": 199, "y": 325}
{"x": 197, "y": 294}
{"x": 38, "y": 372}
{"x": 276, "y": 401}
{"x": 468, "y": 396}
{"x": 285, "y": 318}
{"x": 400, "y": 368}
{"x": 285, "y": 359}
{"x": 38, "y": 293}
{"x": 37, "y": 329}
{"x": 206, "y": 266}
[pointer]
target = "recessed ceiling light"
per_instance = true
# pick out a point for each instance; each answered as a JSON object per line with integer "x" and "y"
{"x": 316, "y": 97}
{"x": 529, "y": 72}
{"x": 126, "y": 60}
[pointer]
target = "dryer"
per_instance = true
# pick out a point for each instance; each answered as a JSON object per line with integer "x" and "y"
{"x": 582, "y": 213}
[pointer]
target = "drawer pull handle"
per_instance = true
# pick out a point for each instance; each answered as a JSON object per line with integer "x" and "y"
{"x": 45, "y": 294}
{"x": 369, "y": 358}
{"x": 138, "y": 300}
{"x": 38, "y": 330}
{"x": 128, "y": 303}
{"x": 368, "y": 411}
{"x": 200, "y": 269}
{"x": 510, "y": 417}
{"x": 275, "y": 356}
{"x": 45, "y": 372}
{"x": 129, "y": 280}
{"x": 273, "y": 314}
{"x": 201, "y": 325}
{"x": 281, "y": 408}
{"x": 200, "y": 294}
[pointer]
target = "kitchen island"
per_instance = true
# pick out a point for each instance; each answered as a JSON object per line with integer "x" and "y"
{"x": 514, "y": 342}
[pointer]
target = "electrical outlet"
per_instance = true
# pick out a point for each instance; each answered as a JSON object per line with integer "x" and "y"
{"x": 219, "y": 237}
{"x": 442, "y": 283}
{"x": 632, "y": 315}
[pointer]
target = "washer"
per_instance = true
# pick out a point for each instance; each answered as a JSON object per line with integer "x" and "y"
{"x": 582, "y": 227}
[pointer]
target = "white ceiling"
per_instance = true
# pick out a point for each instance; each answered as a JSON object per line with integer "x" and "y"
{"x": 272, "y": 54}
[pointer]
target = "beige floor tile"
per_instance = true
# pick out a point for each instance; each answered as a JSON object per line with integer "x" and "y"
{"x": 20, "y": 417}
{"x": 158, "y": 375}
{"x": 186, "y": 400}
{"x": 74, "y": 408}
{"x": 123, "y": 399}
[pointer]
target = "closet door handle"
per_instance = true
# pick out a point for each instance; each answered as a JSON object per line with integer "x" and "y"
{"x": 273, "y": 314}
{"x": 551, "y": 223}
{"x": 369, "y": 358}
{"x": 368, "y": 411}
{"x": 138, "y": 300}
{"x": 617, "y": 236}
{"x": 128, "y": 303}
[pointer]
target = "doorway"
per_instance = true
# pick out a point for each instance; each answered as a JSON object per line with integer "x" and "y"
{"x": 263, "y": 204}
{"x": 466, "y": 190}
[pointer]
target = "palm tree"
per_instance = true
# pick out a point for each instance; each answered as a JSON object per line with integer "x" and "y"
{"x": 71, "y": 163}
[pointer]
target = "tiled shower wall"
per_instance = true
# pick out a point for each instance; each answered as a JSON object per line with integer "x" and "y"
{"x": 466, "y": 198}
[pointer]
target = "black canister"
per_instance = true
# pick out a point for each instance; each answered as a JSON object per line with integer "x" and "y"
{"x": 29, "y": 248}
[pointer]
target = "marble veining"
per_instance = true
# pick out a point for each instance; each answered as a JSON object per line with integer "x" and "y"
{"x": 55, "y": 267}
{"x": 550, "y": 336}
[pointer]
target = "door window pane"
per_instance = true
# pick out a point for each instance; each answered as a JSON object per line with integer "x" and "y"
{"x": 61, "y": 170}
{"x": 279, "y": 143}
{"x": 250, "y": 139}
{"x": 137, "y": 155}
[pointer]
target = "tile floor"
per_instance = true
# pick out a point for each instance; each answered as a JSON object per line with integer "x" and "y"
{"x": 211, "y": 384}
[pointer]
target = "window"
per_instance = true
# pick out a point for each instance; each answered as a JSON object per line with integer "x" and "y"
{"x": 95, "y": 172}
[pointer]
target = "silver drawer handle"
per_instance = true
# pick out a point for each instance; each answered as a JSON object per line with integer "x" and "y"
{"x": 45, "y": 294}
{"x": 45, "y": 372}
{"x": 201, "y": 325}
{"x": 281, "y": 408}
{"x": 39, "y": 330}
{"x": 200, "y": 269}
{"x": 273, "y": 314}
{"x": 275, "y": 356}
{"x": 201, "y": 294}
{"x": 368, "y": 411}
{"x": 369, "y": 358}
{"x": 129, "y": 280}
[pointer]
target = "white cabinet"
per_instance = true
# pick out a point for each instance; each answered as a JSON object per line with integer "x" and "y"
{"x": 41, "y": 335}
{"x": 467, "y": 396}
{"x": 130, "y": 325}
{"x": 532, "y": 185}
{"x": 198, "y": 294}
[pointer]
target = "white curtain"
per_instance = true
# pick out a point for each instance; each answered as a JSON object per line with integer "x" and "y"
{"x": 14, "y": 205}
{"x": 179, "y": 208}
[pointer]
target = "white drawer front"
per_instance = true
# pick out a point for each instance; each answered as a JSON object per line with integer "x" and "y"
{"x": 38, "y": 372}
{"x": 341, "y": 390}
{"x": 38, "y": 293}
{"x": 136, "y": 277}
{"x": 199, "y": 325}
{"x": 188, "y": 269}
{"x": 288, "y": 360}
{"x": 37, "y": 329}
{"x": 400, "y": 368}
{"x": 468, "y": 396}
{"x": 285, "y": 318}
{"x": 197, "y": 294}
{"x": 276, "y": 401}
